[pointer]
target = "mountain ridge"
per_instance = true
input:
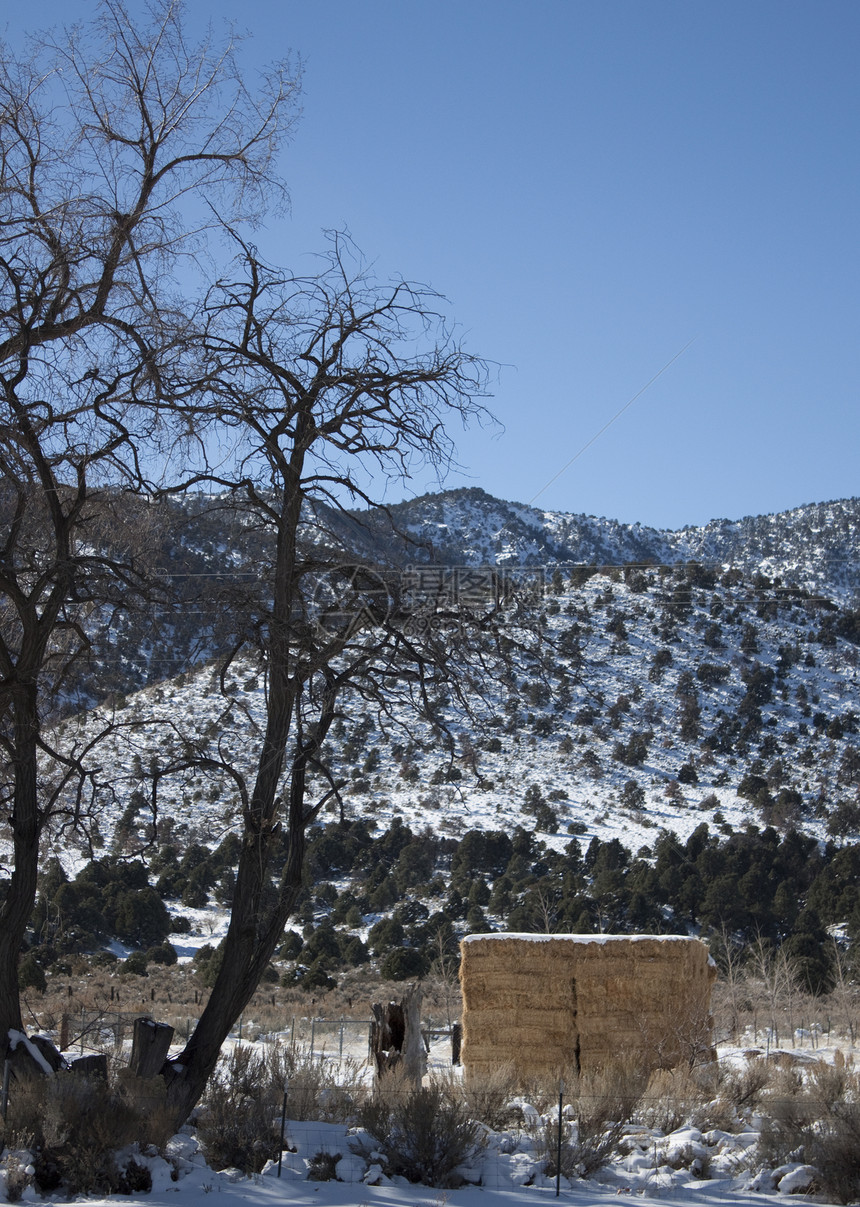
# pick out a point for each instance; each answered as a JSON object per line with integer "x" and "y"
{"x": 775, "y": 540}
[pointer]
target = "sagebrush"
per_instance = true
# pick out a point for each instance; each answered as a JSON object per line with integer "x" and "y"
{"x": 424, "y": 1132}
{"x": 74, "y": 1127}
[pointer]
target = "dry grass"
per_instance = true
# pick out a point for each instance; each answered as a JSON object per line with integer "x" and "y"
{"x": 598, "y": 1106}
{"x": 488, "y": 1097}
{"x": 672, "y": 1097}
{"x": 74, "y": 1127}
{"x": 176, "y": 996}
{"x": 316, "y": 1088}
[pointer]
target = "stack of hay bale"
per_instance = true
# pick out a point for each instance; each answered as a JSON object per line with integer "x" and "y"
{"x": 552, "y": 1003}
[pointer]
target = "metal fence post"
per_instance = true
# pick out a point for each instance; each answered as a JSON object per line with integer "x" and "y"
{"x": 283, "y": 1131}
{"x": 558, "y": 1150}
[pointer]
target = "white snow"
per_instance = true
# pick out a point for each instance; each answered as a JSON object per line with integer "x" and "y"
{"x": 18, "y": 1038}
{"x": 572, "y": 761}
{"x": 687, "y": 1165}
{"x": 503, "y": 1175}
{"x": 594, "y": 940}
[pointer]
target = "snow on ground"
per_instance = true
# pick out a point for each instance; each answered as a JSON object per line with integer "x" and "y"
{"x": 658, "y": 1168}
{"x": 200, "y": 1183}
{"x": 649, "y": 1164}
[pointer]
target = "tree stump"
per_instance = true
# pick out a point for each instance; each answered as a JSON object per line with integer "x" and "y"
{"x": 94, "y": 1067}
{"x": 32, "y": 1057}
{"x": 49, "y": 1052}
{"x": 25, "y": 1062}
{"x": 395, "y": 1037}
{"x": 150, "y": 1044}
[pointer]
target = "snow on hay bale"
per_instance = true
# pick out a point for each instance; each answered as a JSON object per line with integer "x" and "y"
{"x": 546, "y": 1003}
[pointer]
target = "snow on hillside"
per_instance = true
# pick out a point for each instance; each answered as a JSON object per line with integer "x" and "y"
{"x": 210, "y": 549}
{"x": 814, "y": 546}
{"x": 596, "y": 726}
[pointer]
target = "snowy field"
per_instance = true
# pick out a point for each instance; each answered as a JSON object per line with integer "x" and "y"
{"x": 197, "y": 1185}
{"x": 687, "y": 1164}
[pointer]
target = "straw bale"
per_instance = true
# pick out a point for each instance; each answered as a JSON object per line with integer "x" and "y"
{"x": 544, "y": 1002}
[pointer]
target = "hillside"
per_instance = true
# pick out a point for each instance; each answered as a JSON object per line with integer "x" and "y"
{"x": 662, "y": 692}
{"x": 209, "y": 554}
{"x": 647, "y": 716}
{"x": 815, "y": 547}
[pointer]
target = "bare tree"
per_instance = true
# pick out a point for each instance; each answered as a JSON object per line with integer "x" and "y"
{"x": 332, "y": 385}
{"x": 773, "y": 974}
{"x": 844, "y": 994}
{"x": 731, "y": 989}
{"x": 315, "y": 392}
{"x": 114, "y": 140}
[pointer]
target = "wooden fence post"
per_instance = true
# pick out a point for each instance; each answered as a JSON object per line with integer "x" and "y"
{"x": 149, "y": 1047}
{"x": 456, "y": 1042}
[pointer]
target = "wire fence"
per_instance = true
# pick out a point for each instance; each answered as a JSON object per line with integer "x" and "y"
{"x": 111, "y": 1031}
{"x": 545, "y": 1134}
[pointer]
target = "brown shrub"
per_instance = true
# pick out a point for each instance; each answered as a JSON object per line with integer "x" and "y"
{"x": 75, "y": 1126}
{"x": 671, "y": 1098}
{"x": 816, "y": 1118}
{"x": 488, "y": 1097}
{"x": 834, "y": 1149}
{"x": 240, "y": 1118}
{"x": 424, "y": 1132}
{"x": 600, "y": 1105}
{"x": 239, "y": 1125}
{"x": 316, "y": 1088}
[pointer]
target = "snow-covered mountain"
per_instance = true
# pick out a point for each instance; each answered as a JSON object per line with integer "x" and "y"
{"x": 816, "y": 547}
{"x": 664, "y": 695}
{"x": 672, "y": 741}
{"x": 212, "y": 556}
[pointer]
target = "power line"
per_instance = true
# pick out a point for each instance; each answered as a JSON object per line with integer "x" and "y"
{"x": 609, "y": 424}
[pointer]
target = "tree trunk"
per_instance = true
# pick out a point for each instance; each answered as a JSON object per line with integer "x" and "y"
{"x": 395, "y": 1037}
{"x": 21, "y": 895}
{"x": 255, "y": 930}
{"x": 253, "y": 933}
{"x": 246, "y": 952}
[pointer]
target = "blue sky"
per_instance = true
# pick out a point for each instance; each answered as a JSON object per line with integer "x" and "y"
{"x": 593, "y": 185}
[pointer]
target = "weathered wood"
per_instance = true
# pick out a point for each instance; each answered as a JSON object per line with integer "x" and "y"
{"x": 414, "y": 1059}
{"x": 456, "y": 1042}
{"x": 94, "y": 1067}
{"x": 395, "y": 1036}
{"x": 386, "y": 1036}
{"x": 24, "y": 1064}
{"x": 49, "y": 1052}
{"x": 150, "y": 1044}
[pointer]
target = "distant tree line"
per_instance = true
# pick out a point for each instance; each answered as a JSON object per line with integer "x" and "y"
{"x": 756, "y": 885}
